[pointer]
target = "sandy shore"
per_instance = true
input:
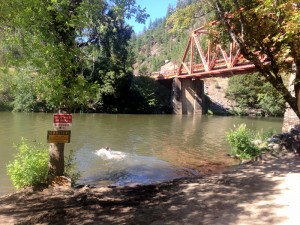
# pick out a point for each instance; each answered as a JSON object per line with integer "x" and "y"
{"x": 260, "y": 193}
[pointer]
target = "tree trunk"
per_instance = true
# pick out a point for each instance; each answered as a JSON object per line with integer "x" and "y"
{"x": 290, "y": 116}
{"x": 297, "y": 93}
{"x": 297, "y": 86}
{"x": 56, "y": 160}
{"x": 294, "y": 89}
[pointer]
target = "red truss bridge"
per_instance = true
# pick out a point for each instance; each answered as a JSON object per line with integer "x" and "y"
{"x": 202, "y": 59}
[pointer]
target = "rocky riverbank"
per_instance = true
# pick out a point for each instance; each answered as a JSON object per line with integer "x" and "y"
{"x": 264, "y": 192}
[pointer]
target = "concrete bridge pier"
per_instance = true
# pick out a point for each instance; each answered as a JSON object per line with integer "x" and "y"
{"x": 188, "y": 96}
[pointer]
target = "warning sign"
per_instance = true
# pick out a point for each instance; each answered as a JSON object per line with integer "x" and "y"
{"x": 62, "y": 121}
{"x": 58, "y": 136}
{"x": 62, "y": 118}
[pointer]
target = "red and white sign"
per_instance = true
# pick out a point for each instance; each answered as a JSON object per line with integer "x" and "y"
{"x": 62, "y": 121}
{"x": 62, "y": 118}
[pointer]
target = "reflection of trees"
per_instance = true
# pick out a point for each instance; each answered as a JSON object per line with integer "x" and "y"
{"x": 195, "y": 140}
{"x": 178, "y": 145}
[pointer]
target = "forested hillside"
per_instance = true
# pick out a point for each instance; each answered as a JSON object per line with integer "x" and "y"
{"x": 157, "y": 45}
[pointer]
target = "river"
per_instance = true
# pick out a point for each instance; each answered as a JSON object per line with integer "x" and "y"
{"x": 147, "y": 148}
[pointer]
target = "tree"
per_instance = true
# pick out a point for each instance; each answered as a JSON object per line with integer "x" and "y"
{"x": 188, "y": 14}
{"x": 42, "y": 35}
{"x": 110, "y": 63}
{"x": 269, "y": 28}
{"x": 272, "y": 29}
{"x": 52, "y": 37}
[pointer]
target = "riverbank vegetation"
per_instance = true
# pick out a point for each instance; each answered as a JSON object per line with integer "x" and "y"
{"x": 30, "y": 166}
{"x": 247, "y": 144}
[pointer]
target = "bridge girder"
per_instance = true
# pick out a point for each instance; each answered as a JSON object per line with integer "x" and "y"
{"x": 202, "y": 59}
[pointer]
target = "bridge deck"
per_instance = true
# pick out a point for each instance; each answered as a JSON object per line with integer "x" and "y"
{"x": 199, "y": 72}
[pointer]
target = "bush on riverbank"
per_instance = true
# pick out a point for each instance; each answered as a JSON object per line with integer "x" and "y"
{"x": 30, "y": 166}
{"x": 247, "y": 144}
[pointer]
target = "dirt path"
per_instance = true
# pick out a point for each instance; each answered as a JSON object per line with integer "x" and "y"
{"x": 262, "y": 193}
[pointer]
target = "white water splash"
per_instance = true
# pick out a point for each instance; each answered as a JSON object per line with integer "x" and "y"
{"x": 110, "y": 155}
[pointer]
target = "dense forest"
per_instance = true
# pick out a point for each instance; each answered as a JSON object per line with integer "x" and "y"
{"x": 82, "y": 56}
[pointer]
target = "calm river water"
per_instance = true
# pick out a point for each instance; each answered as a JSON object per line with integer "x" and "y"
{"x": 145, "y": 148}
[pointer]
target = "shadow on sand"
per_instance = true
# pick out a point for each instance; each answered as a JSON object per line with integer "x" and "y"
{"x": 247, "y": 195}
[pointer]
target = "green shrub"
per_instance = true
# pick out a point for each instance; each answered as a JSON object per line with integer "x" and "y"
{"x": 241, "y": 142}
{"x": 30, "y": 166}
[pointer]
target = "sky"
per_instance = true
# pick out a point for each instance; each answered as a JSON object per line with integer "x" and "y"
{"x": 155, "y": 8}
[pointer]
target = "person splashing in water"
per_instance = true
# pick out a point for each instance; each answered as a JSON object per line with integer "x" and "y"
{"x": 107, "y": 154}
{"x": 104, "y": 153}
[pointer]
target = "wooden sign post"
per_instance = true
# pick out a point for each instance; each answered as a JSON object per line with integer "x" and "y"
{"x": 57, "y": 139}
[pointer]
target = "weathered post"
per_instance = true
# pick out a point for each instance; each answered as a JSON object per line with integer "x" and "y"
{"x": 56, "y": 160}
{"x": 57, "y": 139}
